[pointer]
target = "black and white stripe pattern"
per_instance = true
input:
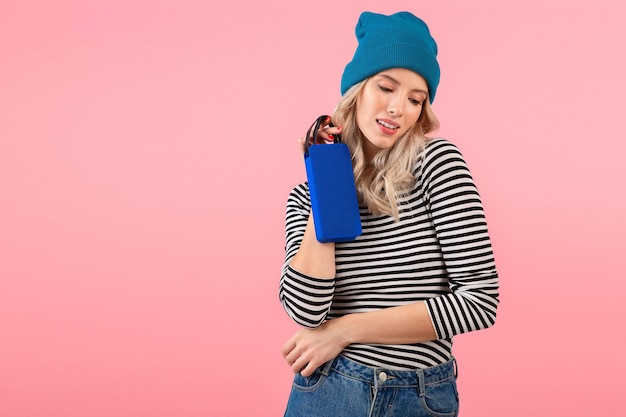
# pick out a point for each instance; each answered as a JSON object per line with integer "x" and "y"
{"x": 439, "y": 251}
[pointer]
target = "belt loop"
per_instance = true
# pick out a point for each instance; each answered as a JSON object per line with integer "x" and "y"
{"x": 420, "y": 382}
{"x": 455, "y": 366}
{"x": 325, "y": 369}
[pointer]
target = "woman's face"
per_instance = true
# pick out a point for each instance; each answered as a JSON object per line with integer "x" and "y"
{"x": 389, "y": 104}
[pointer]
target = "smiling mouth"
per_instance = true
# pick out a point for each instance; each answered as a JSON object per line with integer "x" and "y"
{"x": 387, "y": 125}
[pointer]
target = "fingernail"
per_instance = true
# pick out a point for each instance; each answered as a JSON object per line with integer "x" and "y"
{"x": 331, "y": 137}
{"x": 339, "y": 128}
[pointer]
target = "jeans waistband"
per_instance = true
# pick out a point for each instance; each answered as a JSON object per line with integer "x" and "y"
{"x": 380, "y": 376}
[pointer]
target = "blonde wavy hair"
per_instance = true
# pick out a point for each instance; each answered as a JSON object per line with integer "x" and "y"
{"x": 389, "y": 175}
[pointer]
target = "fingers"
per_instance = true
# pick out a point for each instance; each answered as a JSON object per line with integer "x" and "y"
{"x": 305, "y": 365}
{"x": 314, "y": 136}
{"x": 335, "y": 130}
{"x": 294, "y": 354}
{"x": 291, "y": 357}
{"x": 305, "y": 351}
{"x": 288, "y": 346}
{"x": 331, "y": 133}
{"x": 295, "y": 360}
{"x": 300, "y": 363}
{"x": 291, "y": 354}
{"x": 308, "y": 369}
{"x": 326, "y": 133}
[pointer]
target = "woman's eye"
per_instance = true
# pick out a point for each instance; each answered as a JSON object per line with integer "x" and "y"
{"x": 414, "y": 101}
{"x": 385, "y": 89}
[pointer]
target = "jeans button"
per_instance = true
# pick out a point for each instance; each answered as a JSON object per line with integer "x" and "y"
{"x": 382, "y": 376}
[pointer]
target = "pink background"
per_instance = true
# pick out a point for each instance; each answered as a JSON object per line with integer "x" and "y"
{"x": 147, "y": 149}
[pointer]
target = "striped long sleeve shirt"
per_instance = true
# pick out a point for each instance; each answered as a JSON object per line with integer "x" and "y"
{"x": 438, "y": 252}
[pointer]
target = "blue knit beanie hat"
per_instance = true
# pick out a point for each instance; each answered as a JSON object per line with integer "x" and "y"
{"x": 400, "y": 40}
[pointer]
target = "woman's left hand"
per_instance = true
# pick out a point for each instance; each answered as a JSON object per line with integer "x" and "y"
{"x": 308, "y": 349}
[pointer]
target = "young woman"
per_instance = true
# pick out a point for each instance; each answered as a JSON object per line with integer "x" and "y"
{"x": 379, "y": 313}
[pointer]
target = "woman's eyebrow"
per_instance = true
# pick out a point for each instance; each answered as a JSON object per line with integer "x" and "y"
{"x": 396, "y": 82}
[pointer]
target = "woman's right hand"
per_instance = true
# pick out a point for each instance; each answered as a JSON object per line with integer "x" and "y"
{"x": 324, "y": 135}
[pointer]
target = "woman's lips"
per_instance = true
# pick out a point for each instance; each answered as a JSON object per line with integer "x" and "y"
{"x": 387, "y": 126}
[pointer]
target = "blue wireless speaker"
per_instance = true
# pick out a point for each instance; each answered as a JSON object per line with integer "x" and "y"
{"x": 334, "y": 202}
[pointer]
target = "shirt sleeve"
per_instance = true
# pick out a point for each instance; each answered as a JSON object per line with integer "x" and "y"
{"x": 457, "y": 213}
{"x": 307, "y": 300}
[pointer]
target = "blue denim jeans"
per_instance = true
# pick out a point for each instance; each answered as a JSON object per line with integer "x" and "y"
{"x": 345, "y": 388}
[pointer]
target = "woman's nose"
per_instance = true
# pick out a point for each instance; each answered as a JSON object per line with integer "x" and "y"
{"x": 395, "y": 107}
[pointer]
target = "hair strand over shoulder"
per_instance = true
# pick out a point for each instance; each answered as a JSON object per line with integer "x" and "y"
{"x": 390, "y": 174}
